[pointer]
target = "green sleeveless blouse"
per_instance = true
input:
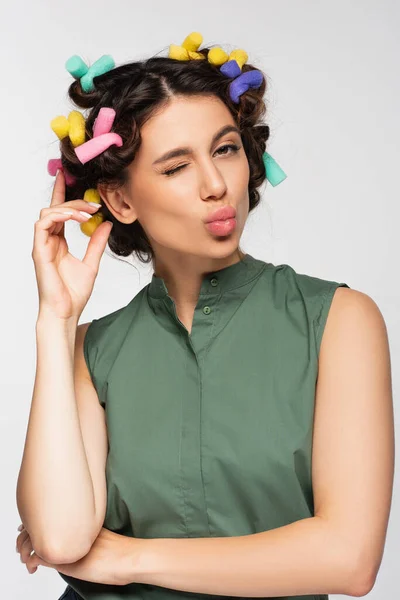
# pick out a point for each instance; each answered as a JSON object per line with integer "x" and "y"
{"x": 210, "y": 433}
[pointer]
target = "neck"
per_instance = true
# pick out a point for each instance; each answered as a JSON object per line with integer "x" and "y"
{"x": 183, "y": 274}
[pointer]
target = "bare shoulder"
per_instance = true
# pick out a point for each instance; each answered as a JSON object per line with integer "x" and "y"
{"x": 352, "y": 313}
{"x": 355, "y": 346}
{"x": 351, "y": 297}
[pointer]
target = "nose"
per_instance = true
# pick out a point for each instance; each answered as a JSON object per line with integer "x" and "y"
{"x": 212, "y": 183}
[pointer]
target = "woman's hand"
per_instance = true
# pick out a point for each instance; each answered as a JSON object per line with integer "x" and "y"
{"x": 111, "y": 559}
{"x": 64, "y": 282}
{"x": 24, "y": 547}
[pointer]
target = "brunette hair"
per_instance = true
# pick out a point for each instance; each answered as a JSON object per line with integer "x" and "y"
{"x": 136, "y": 91}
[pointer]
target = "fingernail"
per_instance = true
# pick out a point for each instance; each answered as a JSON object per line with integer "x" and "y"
{"x": 96, "y": 204}
{"x": 85, "y": 214}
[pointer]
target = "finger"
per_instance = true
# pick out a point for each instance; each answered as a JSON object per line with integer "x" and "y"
{"x": 71, "y": 205}
{"x": 58, "y": 195}
{"x": 26, "y": 549}
{"x": 44, "y": 227}
{"x": 34, "y": 561}
{"x": 97, "y": 244}
{"x": 20, "y": 540}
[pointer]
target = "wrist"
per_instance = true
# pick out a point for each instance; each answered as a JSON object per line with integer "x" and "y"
{"x": 47, "y": 318}
{"x": 48, "y": 324}
{"x": 138, "y": 566}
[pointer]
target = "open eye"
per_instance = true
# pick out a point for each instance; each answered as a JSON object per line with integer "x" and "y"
{"x": 234, "y": 148}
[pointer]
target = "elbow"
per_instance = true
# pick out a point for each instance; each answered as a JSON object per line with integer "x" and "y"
{"x": 66, "y": 547}
{"x": 58, "y": 554}
{"x": 362, "y": 579}
{"x": 361, "y": 587}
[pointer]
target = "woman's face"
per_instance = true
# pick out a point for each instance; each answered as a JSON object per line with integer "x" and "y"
{"x": 171, "y": 205}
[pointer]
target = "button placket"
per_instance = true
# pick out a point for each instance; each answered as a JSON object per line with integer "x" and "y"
{"x": 214, "y": 282}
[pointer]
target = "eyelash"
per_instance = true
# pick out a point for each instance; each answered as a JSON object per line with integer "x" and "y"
{"x": 233, "y": 147}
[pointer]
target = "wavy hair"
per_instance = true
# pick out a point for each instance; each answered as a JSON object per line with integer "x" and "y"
{"x": 136, "y": 91}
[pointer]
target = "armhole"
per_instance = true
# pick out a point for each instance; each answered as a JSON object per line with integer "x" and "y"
{"x": 87, "y": 347}
{"x": 90, "y": 352}
{"x": 324, "y": 311}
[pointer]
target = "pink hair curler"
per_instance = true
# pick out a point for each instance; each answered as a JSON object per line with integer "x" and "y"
{"x": 104, "y": 121}
{"x": 96, "y": 146}
{"x": 54, "y": 164}
{"x": 102, "y": 138}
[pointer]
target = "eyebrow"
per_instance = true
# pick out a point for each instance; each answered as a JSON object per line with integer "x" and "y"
{"x": 188, "y": 150}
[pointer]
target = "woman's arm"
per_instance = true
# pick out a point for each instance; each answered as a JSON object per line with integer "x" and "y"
{"x": 61, "y": 491}
{"x": 339, "y": 550}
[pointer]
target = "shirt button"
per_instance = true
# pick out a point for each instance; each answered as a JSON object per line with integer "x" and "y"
{"x": 206, "y": 310}
{"x": 214, "y": 281}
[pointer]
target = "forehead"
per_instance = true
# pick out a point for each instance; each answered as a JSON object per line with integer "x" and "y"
{"x": 184, "y": 121}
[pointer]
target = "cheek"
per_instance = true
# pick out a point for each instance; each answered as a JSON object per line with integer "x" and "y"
{"x": 241, "y": 173}
{"x": 169, "y": 195}
{"x": 241, "y": 181}
{"x": 159, "y": 200}
{"x": 165, "y": 211}
{"x": 241, "y": 187}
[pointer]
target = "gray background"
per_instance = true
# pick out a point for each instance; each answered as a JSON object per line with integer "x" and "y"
{"x": 333, "y": 76}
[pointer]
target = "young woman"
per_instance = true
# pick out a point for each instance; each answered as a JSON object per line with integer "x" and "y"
{"x": 229, "y": 431}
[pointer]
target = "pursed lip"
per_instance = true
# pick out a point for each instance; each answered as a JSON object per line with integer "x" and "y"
{"x": 221, "y": 214}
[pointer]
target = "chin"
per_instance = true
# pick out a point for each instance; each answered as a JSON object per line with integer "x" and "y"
{"x": 222, "y": 246}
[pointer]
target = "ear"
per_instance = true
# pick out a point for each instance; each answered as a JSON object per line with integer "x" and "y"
{"x": 118, "y": 203}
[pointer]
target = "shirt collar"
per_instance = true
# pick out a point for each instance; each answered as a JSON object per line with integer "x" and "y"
{"x": 216, "y": 282}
